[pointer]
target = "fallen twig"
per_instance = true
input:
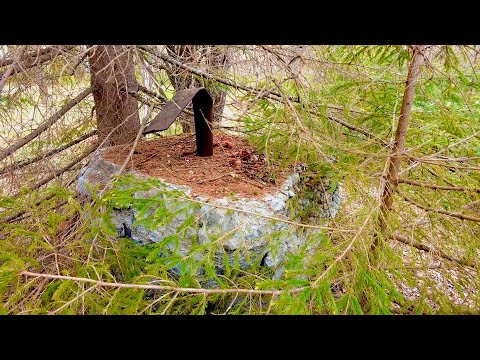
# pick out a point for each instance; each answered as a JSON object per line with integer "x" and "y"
{"x": 437, "y": 252}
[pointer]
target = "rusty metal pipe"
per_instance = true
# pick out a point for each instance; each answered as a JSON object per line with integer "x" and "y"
{"x": 202, "y": 110}
{"x": 202, "y": 114}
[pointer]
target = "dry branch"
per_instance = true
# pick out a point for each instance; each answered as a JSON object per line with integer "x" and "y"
{"x": 206, "y": 75}
{"x": 19, "y": 215}
{"x": 47, "y": 124}
{"x": 440, "y": 211}
{"x": 151, "y": 93}
{"x": 418, "y": 162}
{"x": 36, "y": 58}
{"x": 270, "y": 94}
{"x": 161, "y": 287}
{"x": 435, "y": 186}
{"x": 33, "y": 54}
{"x": 11, "y": 68}
{"x": 21, "y": 164}
{"x": 64, "y": 169}
{"x": 475, "y": 168}
{"x": 77, "y": 64}
{"x": 437, "y": 252}
{"x": 354, "y": 128}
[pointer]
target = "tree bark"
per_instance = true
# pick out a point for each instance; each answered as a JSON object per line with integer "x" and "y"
{"x": 390, "y": 179}
{"x": 112, "y": 78}
{"x": 215, "y": 58}
{"x": 218, "y": 59}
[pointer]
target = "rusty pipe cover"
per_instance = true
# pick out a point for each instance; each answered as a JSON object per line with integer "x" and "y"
{"x": 202, "y": 110}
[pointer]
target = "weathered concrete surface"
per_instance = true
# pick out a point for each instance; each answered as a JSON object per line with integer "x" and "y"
{"x": 254, "y": 238}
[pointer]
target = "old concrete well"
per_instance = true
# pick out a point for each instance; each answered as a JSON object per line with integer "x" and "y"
{"x": 208, "y": 194}
{"x": 228, "y": 198}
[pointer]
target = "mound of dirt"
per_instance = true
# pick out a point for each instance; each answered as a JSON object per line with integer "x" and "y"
{"x": 234, "y": 169}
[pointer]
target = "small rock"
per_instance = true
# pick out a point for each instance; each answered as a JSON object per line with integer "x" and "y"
{"x": 228, "y": 144}
{"x": 235, "y": 163}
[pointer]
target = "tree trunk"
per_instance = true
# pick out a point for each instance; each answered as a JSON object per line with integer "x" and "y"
{"x": 215, "y": 58}
{"x": 112, "y": 78}
{"x": 390, "y": 179}
{"x": 219, "y": 60}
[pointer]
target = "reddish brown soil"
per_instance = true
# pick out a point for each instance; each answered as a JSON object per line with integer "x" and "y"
{"x": 234, "y": 169}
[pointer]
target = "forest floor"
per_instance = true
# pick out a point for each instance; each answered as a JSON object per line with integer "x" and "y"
{"x": 457, "y": 283}
{"x": 235, "y": 168}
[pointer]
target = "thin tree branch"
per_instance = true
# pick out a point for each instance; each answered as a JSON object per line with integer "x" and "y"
{"x": 436, "y": 163}
{"x": 147, "y": 102}
{"x": 21, "y": 164}
{"x": 418, "y": 162}
{"x": 161, "y": 287}
{"x": 437, "y": 252}
{"x": 354, "y": 128}
{"x": 79, "y": 61}
{"x": 36, "y": 58}
{"x": 30, "y": 55}
{"x": 135, "y": 143}
{"x": 435, "y": 186}
{"x": 72, "y": 301}
{"x": 159, "y": 97}
{"x": 446, "y": 158}
{"x": 347, "y": 249}
{"x": 151, "y": 93}
{"x": 17, "y": 216}
{"x": 12, "y": 67}
{"x": 270, "y": 94}
{"x": 47, "y": 124}
{"x": 310, "y": 226}
{"x": 64, "y": 169}
{"x": 440, "y": 211}
{"x": 206, "y": 75}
